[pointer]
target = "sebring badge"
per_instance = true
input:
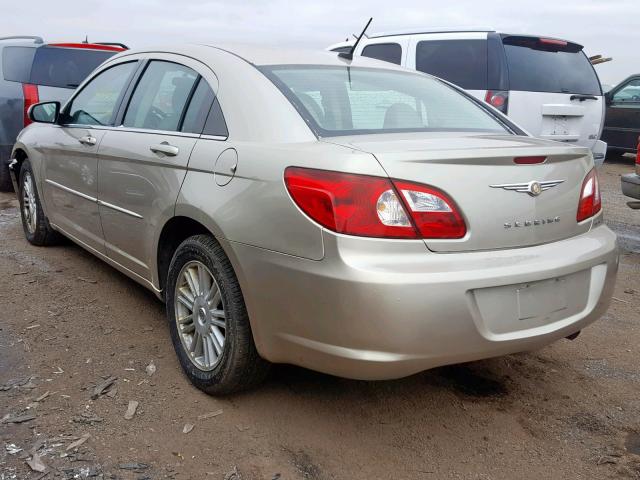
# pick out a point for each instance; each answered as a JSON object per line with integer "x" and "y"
{"x": 533, "y": 188}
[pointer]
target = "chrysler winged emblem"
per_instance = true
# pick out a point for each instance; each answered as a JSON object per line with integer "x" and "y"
{"x": 533, "y": 188}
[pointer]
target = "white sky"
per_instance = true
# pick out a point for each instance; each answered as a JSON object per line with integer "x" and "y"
{"x": 609, "y": 27}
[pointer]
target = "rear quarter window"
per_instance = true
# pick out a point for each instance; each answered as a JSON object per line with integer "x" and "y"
{"x": 65, "y": 67}
{"x": 16, "y": 63}
{"x": 387, "y": 52}
{"x": 539, "y": 67}
{"x": 462, "y": 62}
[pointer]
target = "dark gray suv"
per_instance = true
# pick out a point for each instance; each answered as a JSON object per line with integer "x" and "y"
{"x": 33, "y": 71}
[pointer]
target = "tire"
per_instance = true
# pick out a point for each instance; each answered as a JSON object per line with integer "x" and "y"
{"x": 5, "y": 178}
{"x": 232, "y": 364}
{"x": 38, "y": 231}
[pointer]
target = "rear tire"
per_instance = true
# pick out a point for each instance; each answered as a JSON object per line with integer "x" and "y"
{"x": 35, "y": 223}
{"x": 208, "y": 320}
{"x": 5, "y": 178}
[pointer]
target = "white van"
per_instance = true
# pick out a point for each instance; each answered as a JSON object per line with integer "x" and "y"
{"x": 546, "y": 85}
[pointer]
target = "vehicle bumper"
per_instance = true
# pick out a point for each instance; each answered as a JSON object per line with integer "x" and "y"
{"x": 377, "y": 309}
{"x": 631, "y": 185}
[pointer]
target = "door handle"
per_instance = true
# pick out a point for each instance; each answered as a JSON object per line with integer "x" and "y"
{"x": 165, "y": 148}
{"x": 88, "y": 140}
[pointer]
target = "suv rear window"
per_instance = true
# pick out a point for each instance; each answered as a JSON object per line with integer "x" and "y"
{"x": 539, "y": 65}
{"x": 51, "y": 66}
{"x": 463, "y": 62}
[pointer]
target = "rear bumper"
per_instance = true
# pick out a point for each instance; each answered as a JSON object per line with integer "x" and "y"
{"x": 378, "y": 310}
{"x": 631, "y": 185}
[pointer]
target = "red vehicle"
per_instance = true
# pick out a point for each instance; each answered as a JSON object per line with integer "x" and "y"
{"x": 33, "y": 71}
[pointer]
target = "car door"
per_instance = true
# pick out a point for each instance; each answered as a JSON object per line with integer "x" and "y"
{"x": 143, "y": 161}
{"x": 622, "y": 123}
{"x": 70, "y": 167}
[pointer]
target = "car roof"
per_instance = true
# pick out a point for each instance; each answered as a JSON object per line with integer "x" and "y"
{"x": 265, "y": 55}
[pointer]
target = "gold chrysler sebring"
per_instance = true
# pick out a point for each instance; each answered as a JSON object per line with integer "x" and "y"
{"x": 345, "y": 215}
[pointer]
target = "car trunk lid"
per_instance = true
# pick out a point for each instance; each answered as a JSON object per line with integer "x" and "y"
{"x": 479, "y": 173}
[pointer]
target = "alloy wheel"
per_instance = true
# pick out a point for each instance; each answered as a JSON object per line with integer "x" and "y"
{"x": 200, "y": 315}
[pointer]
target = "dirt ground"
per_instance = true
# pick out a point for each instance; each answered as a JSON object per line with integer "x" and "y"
{"x": 68, "y": 322}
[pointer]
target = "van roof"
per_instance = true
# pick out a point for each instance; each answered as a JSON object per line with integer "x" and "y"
{"x": 416, "y": 31}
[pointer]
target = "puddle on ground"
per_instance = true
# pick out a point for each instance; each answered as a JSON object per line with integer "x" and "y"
{"x": 632, "y": 444}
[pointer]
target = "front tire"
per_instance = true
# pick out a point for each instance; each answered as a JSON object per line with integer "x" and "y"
{"x": 208, "y": 320}
{"x": 35, "y": 224}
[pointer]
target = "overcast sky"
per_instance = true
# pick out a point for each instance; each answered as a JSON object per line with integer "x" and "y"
{"x": 608, "y": 27}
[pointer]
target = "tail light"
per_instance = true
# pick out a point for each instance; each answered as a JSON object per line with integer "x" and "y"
{"x": 590, "y": 202}
{"x": 371, "y": 206}
{"x": 498, "y": 99}
{"x": 30, "y": 94}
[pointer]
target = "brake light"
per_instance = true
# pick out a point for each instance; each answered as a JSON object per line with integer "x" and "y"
{"x": 89, "y": 46}
{"x": 31, "y": 97}
{"x": 372, "y": 206}
{"x": 553, "y": 41}
{"x": 638, "y": 157}
{"x": 529, "y": 160}
{"x": 590, "y": 201}
{"x": 498, "y": 99}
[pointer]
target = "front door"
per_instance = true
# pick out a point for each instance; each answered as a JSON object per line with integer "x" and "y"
{"x": 70, "y": 168}
{"x": 143, "y": 162}
{"x": 622, "y": 124}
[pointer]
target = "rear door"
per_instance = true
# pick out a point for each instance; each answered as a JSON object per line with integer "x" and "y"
{"x": 622, "y": 124}
{"x": 554, "y": 92}
{"x": 143, "y": 161}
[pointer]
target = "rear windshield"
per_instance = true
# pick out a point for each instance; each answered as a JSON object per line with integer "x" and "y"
{"x": 352, "y": 100}
{"x": 463, "y": 62}
{"x": 538, "y": 65}
{"x": 51, "y": 66}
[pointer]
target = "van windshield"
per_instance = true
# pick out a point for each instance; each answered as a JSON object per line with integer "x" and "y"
{"x": 340, "y": 100}
{"x": 548, "y": 65}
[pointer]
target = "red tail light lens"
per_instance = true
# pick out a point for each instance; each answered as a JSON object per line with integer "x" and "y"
{"x": 371, "y": 206}
{"x": 498, "y": 99}
{"x": 590, "y": 202}
{"x": 30, "y": 94}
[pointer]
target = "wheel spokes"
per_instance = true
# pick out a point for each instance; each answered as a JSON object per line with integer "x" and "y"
{"x": 200, "y": 315}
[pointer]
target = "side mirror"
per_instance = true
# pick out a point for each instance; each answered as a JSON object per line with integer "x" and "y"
{"x": 45, "y": 112}
{"x": 608, "y": 98}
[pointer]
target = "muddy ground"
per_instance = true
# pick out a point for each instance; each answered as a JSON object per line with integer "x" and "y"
{"x": 68, "y": 321}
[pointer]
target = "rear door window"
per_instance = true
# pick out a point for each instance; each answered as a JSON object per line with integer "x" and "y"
{"x": 388, "y": 52}
{"x": 198, "y": 109}
{"x": 65, "y": 67}
{"x": 547, "y": 65}
{"x": 161, "y": 96}
{"x": 462, "y": 62}
{"x": 97, "y": 101}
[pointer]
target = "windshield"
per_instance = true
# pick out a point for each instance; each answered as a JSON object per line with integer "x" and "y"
{"x": 347, "y": 101}
{"x": 541, "y": 65}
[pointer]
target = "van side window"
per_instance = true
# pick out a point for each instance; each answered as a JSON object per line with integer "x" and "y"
{"x": 462, "y": 62}
{"x": 216, "y": 124}
{"x": 388, "y": 52}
